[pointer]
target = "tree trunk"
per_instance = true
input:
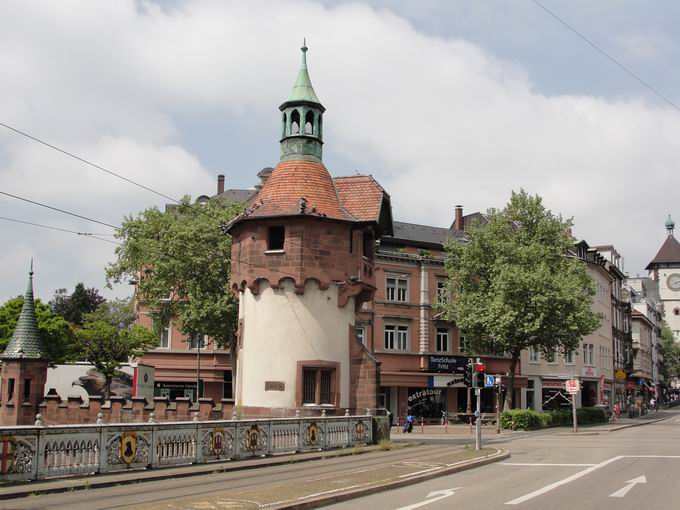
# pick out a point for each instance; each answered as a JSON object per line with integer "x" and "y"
{"x": 106, "y": 391}
{"x": 510, "y": 386}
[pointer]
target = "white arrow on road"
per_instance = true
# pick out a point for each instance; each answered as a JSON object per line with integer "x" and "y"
{"x": 630, "y": 484}
{"x": 431, "y": 498}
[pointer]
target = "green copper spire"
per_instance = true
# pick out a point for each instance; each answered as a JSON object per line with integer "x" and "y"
{"x": 26, "y": 342}
{"x": 670, "y": 225}
{"x": 302, "y": 88}
{"x": 301, "y": 119}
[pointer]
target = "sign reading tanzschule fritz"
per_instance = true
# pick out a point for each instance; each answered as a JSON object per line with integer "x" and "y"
{"x": 448, "y": 364}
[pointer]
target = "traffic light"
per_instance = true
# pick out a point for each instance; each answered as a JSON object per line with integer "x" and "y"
{"x": 478, "y": 375}
{"x": 467, "y": 375}
{"x": 478, "y": 380}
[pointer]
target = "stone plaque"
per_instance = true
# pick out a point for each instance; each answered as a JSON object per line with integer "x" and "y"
{"x": 274, "y": 386}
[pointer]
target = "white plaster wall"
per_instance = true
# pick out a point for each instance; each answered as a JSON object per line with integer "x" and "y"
{"x": 671, "y": 300}
{"x": 281, "y": 328}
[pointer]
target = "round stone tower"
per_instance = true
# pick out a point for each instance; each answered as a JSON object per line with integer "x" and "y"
{"x": 302, "y": 264}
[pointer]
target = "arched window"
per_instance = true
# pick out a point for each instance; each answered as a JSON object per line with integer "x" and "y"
{"x": 319, "y": 130}
{"x": 295, "y": 122}
{"x": 309, "y": 123}
{"x": 285, "y": 123}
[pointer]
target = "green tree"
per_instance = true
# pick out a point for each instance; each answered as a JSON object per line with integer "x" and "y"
{"x": 181, "y": 261}
{"x": 56, "y": 332}
{"x": 513, "y": 285}
{"x": 108, "y": 341}
{"x": 670, "y": 350}
{"x": 72, "y": 306}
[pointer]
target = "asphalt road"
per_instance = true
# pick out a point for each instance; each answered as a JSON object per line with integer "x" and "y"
{"x": 548, "y": 470}
{"x": 634, "y": 468}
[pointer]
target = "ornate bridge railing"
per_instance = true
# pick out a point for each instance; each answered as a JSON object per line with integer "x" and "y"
{"x": 31, "y": 453}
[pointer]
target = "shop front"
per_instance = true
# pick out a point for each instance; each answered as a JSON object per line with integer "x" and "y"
{"x": 554, "y": 395}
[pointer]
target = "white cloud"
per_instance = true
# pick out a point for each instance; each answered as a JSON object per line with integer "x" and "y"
{"x": 443, "y": 121}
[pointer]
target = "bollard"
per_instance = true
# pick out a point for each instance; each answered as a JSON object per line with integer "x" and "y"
{"x": 422, "y": 425}
{"x": 470, "y": 424}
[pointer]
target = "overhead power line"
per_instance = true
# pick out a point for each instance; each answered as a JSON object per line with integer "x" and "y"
{"x": 57, "y": 209}
{"x": 608, "y": 56}
{"x": 83, "y": 234}
{"x": 83, "y": 160}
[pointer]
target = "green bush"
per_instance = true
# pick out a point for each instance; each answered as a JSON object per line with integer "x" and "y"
{"x": 527, "y": 419}
{"x": 524, "y": 419}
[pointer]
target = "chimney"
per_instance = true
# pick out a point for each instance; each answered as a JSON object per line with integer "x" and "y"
{"x": 458, "y": 221}
{"x": 220, "y": 184}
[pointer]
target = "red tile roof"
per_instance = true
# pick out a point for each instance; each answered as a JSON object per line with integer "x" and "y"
{"x": 298, "y": 187}
{"x": 361, "y": 195}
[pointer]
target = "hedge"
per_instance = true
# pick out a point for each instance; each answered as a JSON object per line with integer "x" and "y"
{"x": 528, "y": 419}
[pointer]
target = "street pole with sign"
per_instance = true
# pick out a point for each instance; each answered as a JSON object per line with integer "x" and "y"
{"x": 478, "y": 414}
{"x": 573, "y": 406}
{"x": 498, "y": 403}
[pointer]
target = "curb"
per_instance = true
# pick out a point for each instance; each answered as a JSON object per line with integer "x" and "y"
{"x": 500, "y": 454}
{"x": 638, "y": 424}
{"x": 99, "y": 481}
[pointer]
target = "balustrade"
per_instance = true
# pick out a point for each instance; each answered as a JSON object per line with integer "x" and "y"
{"x": 30, "y": 453}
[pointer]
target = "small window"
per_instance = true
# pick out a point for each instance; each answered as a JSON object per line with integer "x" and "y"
{"x": 309, "y": 123}
{"x": 396, "y": 289}
{"x": 164, "y": 340}
{"x": 441, "y": 291}
{"x": 361, "y": 334}
{"x": 195, "y": 341}
{"x": 442, "y": 340}
{"x": 227, "y": 389}
{"x": 569, "y": 358}
{"x": 317, "y": 386}
{"x": 295, "y": 122}
{"x": 534, "y": 355}
{"x": 27, "y": 390}
{"x": 277, "y": 236}
{"x": 10, "y": 390}
{"x": 396, "y": 337}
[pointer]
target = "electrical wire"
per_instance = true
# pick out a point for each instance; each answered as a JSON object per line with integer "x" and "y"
{"x": 607, "y": 55}
{"x": 83, "y": 160}
{"x": 57, "y": 209}
{"x": 84, "y": 234}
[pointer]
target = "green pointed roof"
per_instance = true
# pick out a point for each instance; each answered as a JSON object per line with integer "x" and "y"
{"x": 26, "y": 342}
{"x": 670, "y": 224}
{"x": 302, "y": 88}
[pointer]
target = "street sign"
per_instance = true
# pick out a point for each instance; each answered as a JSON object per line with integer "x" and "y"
{"x": 572, "y": 386}
{"x": 447, "y": 364}
{"x": 489, "y": 381}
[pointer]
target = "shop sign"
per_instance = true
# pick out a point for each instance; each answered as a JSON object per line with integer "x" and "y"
{"x": 420, "y": 394}
{"x": 552, "y": 384}
{"x": 572, "y": 386}
{"x": 620, "y": 374}
{"x": 448, "y": 364}
{"x": 589, "y": 372}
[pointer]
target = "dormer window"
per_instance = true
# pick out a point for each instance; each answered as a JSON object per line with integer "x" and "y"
{"x": 276, "y": 238}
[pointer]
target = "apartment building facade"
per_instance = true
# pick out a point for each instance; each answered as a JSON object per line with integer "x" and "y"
{"x": 546, "y": 373}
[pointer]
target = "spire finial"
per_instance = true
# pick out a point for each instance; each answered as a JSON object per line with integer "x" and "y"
{"x": 304, "y": 45}
{"x": 30, "y": 273}
{"x": 670, "y": 225}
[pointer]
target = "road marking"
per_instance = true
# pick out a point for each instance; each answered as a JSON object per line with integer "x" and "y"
{"x": 652, "y": 456}
{"x": 539, "y": 464}
{"x": 631, "y": 483}
{"x": 564, "y": 481}
{"x": 430, "y": 498}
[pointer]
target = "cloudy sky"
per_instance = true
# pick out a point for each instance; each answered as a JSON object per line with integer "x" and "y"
{"x": 444, "y": 102}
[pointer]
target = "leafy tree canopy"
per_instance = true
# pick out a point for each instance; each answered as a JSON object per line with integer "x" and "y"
{"x": 670, "y": 350}
{"x": 72, "y": 306}
{"x": 56, "y": 332}
{"x": 109, "y": 339}
{"x": 181, "y": 261}
{"x": 513, "y": 284}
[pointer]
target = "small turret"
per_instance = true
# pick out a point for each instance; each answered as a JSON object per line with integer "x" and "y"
{"x": 302, "y": 119}
{"x": 670, "y": 225}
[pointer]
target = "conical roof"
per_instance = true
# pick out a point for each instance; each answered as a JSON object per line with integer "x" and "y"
{"x": 668, "y": 254}
{"x": 302, "y": 88}
{"x": 26, "y": 342}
